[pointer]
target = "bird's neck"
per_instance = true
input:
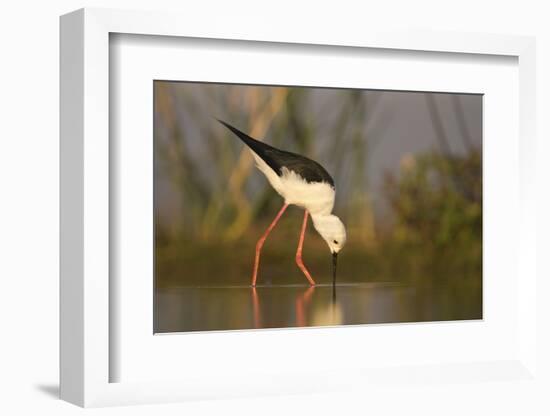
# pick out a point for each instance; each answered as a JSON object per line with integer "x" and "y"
{"x": 320, "y": 220}
{"x": 319, "y": 217}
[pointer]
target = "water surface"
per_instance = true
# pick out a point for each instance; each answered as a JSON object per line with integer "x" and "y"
{"x": 187, "y": 309}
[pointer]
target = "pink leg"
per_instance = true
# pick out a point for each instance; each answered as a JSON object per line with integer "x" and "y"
{"x": 261, "y": 242}
{"x": 299, "y": 261}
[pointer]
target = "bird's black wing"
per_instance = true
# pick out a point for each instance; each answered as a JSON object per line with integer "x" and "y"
{"x": 308, "y": 169}
{"x": 277, "y": 159}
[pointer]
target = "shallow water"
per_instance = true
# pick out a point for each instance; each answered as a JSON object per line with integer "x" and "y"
{"x": 242, "y": 307}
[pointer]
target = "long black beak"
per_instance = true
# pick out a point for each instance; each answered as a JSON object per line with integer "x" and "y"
{"x": 334, "y": 262}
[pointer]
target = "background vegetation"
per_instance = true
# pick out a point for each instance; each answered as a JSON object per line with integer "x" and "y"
{"x": 412, "y": 204}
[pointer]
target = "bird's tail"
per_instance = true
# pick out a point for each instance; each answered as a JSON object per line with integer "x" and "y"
{"x": 256, "y": 145}
{"x": 259, "y": 149}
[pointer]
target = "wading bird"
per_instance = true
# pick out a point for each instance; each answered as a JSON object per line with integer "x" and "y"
{"x": 302, "y": 182}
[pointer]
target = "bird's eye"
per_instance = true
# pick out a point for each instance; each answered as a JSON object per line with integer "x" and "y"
{"x": 335, "y": 242}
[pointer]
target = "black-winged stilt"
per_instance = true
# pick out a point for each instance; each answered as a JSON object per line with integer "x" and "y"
{"x": 302, "y": 182}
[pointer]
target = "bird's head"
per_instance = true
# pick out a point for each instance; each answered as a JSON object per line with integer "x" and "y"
{"x": 333, "y": 232}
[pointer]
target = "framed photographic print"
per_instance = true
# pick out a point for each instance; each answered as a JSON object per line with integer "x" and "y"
{"x": 405, "y": 178}
{"x": 237, "y": 209}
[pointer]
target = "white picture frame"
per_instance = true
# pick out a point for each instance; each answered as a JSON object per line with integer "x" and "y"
{"x": 86, "y": 357}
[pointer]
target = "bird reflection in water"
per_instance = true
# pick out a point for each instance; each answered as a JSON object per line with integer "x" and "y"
{"x": 302, "y": 302}
{"x": 328, "y": 314}
{"x": 308, "y": 310}
{"x": 256, "y": 308}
